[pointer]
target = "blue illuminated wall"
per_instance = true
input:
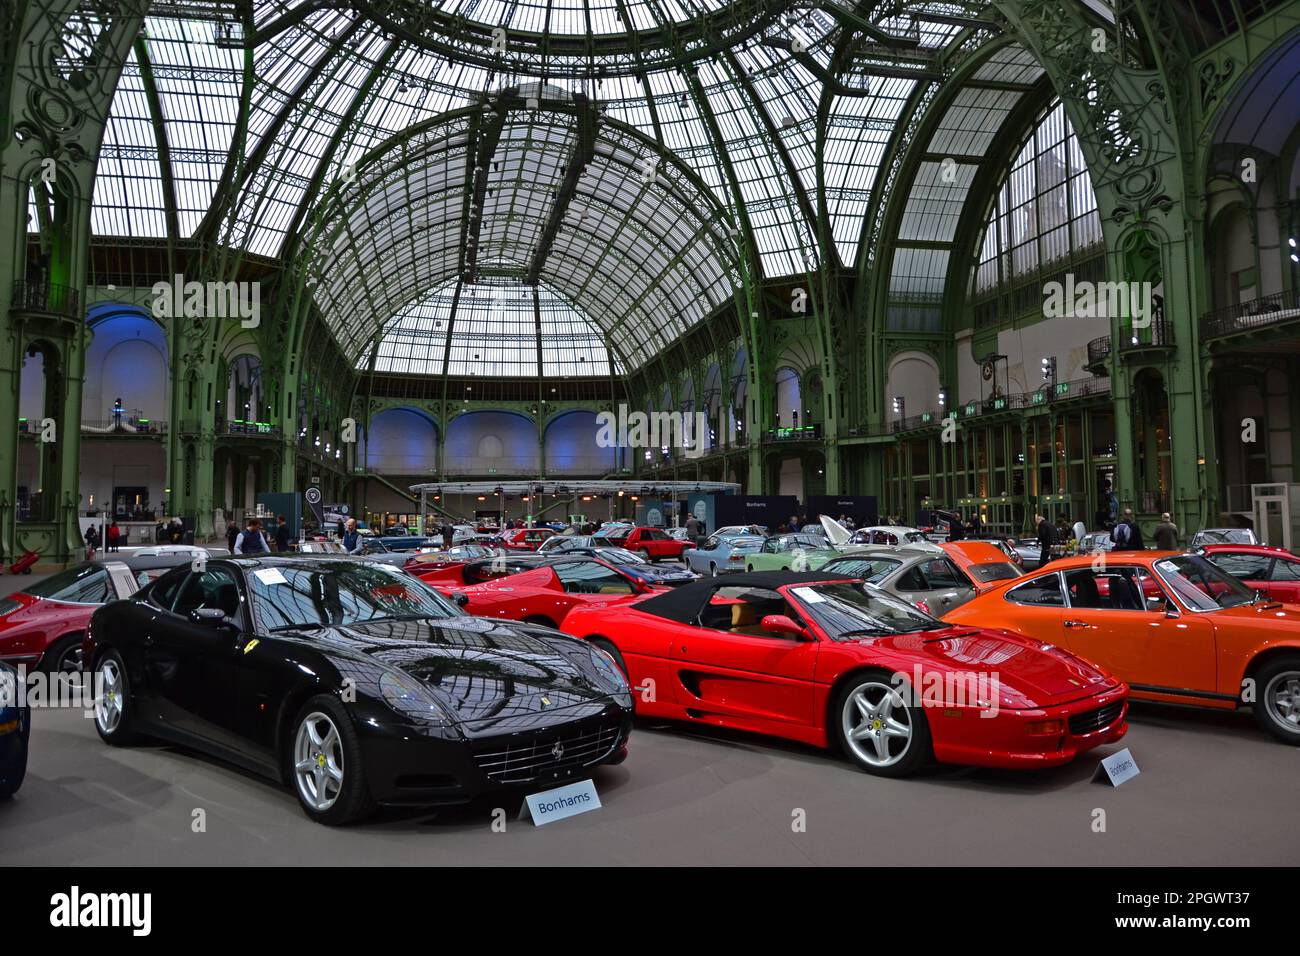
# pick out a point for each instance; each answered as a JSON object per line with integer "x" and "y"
{"x": 492, "y": 443}
{"x": 127, "y": 359}
{"x": 402, "y": 441}
{"x": 571, "y": 447}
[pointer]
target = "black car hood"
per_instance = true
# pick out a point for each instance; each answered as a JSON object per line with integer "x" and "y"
{"x": 479, "y": 669}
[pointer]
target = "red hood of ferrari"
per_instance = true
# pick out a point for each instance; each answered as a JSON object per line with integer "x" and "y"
{"x": 1029, "y": 673}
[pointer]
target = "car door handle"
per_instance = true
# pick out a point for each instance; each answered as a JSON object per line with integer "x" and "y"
{"x": 1076, "y": 623}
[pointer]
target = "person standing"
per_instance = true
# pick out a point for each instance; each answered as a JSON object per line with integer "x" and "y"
{"x": 92, "y": 542}
{"x": 1046, "y": 537}
{"x": 1166, "y": 534}
{"x": 448, "y": 535}
{"x": 232, "y": 532}
{"x": 114, "y": 532}
{"x": 1127, "y": 535}
{"x": 282, "y": 535}
{"x": 693, "y": 529}
{"x": 956, "y": 528}
{"x": 251, "y": 540}
{"x": 352, "y": 538}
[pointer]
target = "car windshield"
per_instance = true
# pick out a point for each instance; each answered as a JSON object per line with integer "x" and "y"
{"x": 619, "y": 556}
{"x": 340, "y": 593}
{"x": 846, "y": 610}
{"x": 1200, "y": 585}
{"x": 871, "y": 570}
{"x": 84, "y": 584}
{"x": 1225, "y": 536}
{"x": 997, "y": 571}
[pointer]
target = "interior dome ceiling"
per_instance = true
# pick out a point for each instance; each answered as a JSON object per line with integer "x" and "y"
{"x": 570, "y": 37}
{"x": 637, "y": 172}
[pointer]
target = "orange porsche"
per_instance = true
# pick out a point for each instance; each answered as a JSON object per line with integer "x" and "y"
{"x": 1173, "y": 626}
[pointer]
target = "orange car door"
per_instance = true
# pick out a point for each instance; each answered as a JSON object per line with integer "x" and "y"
{"x": 1034, "y": 608}
{"x": 1117, "y": 620}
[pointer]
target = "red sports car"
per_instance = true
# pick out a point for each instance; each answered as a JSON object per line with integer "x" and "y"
{"x": 536, "y": 590}
{"x": 830, "y": 661}
{"x": 1275, "y": 571}
{"x": 652, "y": 543}
{"x": 42, "y": 626}
{"x": 524, "y": 539}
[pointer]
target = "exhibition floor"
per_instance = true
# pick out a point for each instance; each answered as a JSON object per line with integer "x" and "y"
{"x": 1210, "y": 793}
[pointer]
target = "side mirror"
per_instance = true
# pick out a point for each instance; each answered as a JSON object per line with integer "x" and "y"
{"x": 1171, "y": 611}
{"x": 461, "y": 598}
{"x": 783, "y": 624}
{"x": 209, "y": 616}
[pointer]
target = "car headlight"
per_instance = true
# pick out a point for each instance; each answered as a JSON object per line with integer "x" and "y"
{"x": 609, "y": 669}
{"x": 410, "y": 697}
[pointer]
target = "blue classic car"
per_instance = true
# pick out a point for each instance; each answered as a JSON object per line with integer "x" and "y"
{"x": 722, "y": 552}
{"x": 15, "y": 726}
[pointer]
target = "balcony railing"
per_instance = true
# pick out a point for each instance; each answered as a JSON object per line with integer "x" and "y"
{"x": 1159, "y": 334}
{"x": 125, "y": 425}
{"x": 1098, "y": 351}
{"x": 1062, "y": 391}
{"x": 45, "y": 297}
{"x": 1257, "y": 314}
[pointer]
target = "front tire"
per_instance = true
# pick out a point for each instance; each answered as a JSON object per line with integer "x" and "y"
{"x": 877, "y": 729}
{"x": 63, "y": 655}
{"x": 1277, "y": 706}
{"x": 325, "y": 764}
{"x": 538, "y": 619}
{"x": 113, "y": 717}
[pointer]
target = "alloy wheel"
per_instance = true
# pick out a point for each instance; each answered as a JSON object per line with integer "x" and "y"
{"x": 318, "y": 761}
{"x": 110, "y": 704}
{"x": 877, "y": 724}
{"x": 1282, "y": 696}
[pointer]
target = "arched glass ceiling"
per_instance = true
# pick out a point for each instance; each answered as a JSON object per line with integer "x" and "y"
{"x": 331, "y": 85}
{"x": 494, "y": 329}
{"x": 556, "y": 197}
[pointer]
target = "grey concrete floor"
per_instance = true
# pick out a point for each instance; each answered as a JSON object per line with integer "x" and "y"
{"x": 1213, "y": 791}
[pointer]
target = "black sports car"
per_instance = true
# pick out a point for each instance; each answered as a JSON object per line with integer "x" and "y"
{"x": 354, "y": 683}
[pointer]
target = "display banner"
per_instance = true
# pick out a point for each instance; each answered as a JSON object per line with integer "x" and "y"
{"x": 861, "y": 508}
{"x": 770, "y": 511}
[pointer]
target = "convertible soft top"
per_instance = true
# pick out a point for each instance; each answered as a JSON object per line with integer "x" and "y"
{"x": 685, "y": 603}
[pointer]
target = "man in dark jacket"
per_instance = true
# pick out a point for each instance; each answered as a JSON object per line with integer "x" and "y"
{"x": 1046, "y": 538}
{"x": 1166, "y": 534}
{"x": 282, "y": 535}
{"x": 232, "y": 532}
{"x": 956, "y": 528}
{"x": 1127, "y": 535}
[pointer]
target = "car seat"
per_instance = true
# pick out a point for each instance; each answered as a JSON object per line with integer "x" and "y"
{"x": 1124, "y": 594}
{"x": 1085, "y": 592}
{"x": 226, "y": 597}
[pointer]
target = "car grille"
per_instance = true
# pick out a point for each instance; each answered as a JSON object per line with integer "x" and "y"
{"x": 537, "y": 758}
{"x": 1093, "y": 720}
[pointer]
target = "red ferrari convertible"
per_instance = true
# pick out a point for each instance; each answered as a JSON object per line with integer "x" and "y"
{"x": 540, "y": 590}
{"x": 42, "y": 626}
{"x": 829, "y": 661}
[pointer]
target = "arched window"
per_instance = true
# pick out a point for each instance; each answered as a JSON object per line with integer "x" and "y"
{"x": 1045, "y": 210}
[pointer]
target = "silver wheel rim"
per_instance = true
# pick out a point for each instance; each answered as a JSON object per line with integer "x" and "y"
{"x": 109, "y": 706}
{"x": 877, "y": 724}
{"x": 318, "y": 761}
{"x": 1283, "y": 699}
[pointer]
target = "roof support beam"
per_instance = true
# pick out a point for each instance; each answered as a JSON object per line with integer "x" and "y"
{"x": 584, "y": 151}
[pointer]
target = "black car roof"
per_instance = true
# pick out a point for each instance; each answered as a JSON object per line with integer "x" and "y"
{"x": 685, "y": 603}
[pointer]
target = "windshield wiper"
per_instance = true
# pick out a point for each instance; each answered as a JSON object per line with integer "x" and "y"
{"x": 868, "y": 632}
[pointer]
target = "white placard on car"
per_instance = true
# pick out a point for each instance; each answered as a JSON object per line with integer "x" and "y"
{"x": 563, "y": 802}
{"x": 270, "y": 576}
{"x": 1117, "y": 768}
